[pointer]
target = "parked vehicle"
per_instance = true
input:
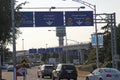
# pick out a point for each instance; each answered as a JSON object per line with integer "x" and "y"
{"x": 4, "y": 66}
{"x": 45, "y": 70}
{"x": 104, "y": 74}
{"x": 10, "y": 68}
{"x": 65, "y": 71}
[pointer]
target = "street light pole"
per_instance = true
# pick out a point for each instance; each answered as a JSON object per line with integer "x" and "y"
{"x": 23, "y": 44}
{"x": 14, "y": 42}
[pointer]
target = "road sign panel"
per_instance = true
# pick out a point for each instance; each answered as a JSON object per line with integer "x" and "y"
{"x": 24, "y": 62}
{"x": 26, "y": 19}
{"x": 100, "y": 39}
{"x": 42, "y": 50}
{"x": 58, "y": 50}
{"x": 49, "y": 50}
{"x": 60, "y": 31}
{"x": 20, "y": 71}
{"x": 33, "y": 51}
{"x": 49, "y": 19}
{"x": 79, "y": 18}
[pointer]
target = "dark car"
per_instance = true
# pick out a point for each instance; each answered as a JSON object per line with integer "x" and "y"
{"x": 45, "y": 70}
{"x": 65, "y": 71}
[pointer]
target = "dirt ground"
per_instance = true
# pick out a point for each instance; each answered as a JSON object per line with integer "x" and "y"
{"x": 83, "y": 73}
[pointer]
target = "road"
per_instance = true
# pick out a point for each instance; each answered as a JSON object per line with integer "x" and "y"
{"x": 31, "y": 75}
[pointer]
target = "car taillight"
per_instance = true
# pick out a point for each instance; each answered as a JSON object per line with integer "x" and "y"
{"x": 109, "y": 75}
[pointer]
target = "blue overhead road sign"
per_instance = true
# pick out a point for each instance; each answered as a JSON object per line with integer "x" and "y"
{"x": 26, "y": 19}
{"x": 47, "y": 19}
{"x": 42, "y": 50}
{"x": 33, "y": 51}
{"x": 79, "y": 18}
{"x": 58, "y": 50}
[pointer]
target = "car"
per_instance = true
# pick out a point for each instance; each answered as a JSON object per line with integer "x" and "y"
{"x": 65, "y": 71}
{"x": 45, "y": 70}
{"x": 104, "y": 74}
{"x": 10, "y": 68}
{"x": 4, "y": 66}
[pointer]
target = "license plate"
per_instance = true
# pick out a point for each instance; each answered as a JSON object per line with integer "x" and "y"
{"x": 69, "y": 71}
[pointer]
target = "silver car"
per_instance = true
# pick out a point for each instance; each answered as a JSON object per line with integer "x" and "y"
{"x": 10, "y": 68}
{"x": 104, "y": 74}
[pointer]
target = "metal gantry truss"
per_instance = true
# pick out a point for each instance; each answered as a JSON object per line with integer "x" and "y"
{"x": 110, "y": 19}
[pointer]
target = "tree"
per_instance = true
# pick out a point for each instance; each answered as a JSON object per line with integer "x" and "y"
{"x": 6, "y": 26}
{"x": 5, "y": 22}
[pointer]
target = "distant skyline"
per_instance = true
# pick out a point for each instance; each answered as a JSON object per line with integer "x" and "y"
{"x": 39, "y": 37}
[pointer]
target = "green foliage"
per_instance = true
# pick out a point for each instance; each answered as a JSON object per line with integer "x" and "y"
{"x": 118, "y": 39}
{"x": 6, "y": 36}
{"x": 105, "y": 56}
{"x": 5, "y": 22}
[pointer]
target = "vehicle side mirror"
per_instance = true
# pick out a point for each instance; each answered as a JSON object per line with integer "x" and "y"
{"x": 91, "y": 72}
{"x": 54, "y": 71}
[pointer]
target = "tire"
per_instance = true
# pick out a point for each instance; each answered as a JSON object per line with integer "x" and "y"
{"x": 42, "y": 76}
{"x": 75, "y": 78}
{"x": 87, "y": 78}
{"x": 53, "y": 78}
{"x": 100, "y": 79}
{"x": 50, "y": 77}
{"x": 38, "y": 76}
{"x": 58, "y": 78}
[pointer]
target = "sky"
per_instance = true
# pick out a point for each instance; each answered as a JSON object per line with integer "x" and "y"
{"x": 41, "y": 37}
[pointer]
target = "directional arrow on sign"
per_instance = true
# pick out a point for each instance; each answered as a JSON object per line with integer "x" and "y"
{"x": 79, "y": 22}
{"x": 21, "y": 70}
{"x": 49, "y": 22}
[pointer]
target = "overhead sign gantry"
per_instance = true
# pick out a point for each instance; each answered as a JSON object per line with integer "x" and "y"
{"x": 52, "y": 19}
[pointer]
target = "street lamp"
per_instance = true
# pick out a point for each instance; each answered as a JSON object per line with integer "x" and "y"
{"x": 22, "y": 44}
{"x": 13, "y": 37}
{"x": 14, "y": 42}
{"x": 93, "y": 7}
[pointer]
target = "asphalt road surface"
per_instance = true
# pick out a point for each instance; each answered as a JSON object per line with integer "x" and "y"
{"x": 31, "y": 75}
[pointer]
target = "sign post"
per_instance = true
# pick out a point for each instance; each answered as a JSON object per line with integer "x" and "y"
{"x": 24, "y": 64}
{"x": 20, "y": 70}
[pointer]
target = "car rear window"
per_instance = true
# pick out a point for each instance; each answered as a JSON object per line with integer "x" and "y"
{"x": 49, "y": 67}
{"x": 110, "y": 70}
{"x": 69, "y": 67}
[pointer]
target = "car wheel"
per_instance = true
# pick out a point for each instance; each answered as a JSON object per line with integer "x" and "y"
{"x": 75, "y": 78}
{"x": 100, "y": 79}
{"x": 53, "y": 78}
{"x": 50, "y": 77}
{"x": 58, "y": 78}
{"x": 38, "y": 76}
{"x": 42, "y": 76}
{"x": 87, "y": 78}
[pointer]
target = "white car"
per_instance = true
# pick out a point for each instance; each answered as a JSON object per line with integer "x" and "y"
{"x": 10, "y": 68}
{"x": 104, "y": 74}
